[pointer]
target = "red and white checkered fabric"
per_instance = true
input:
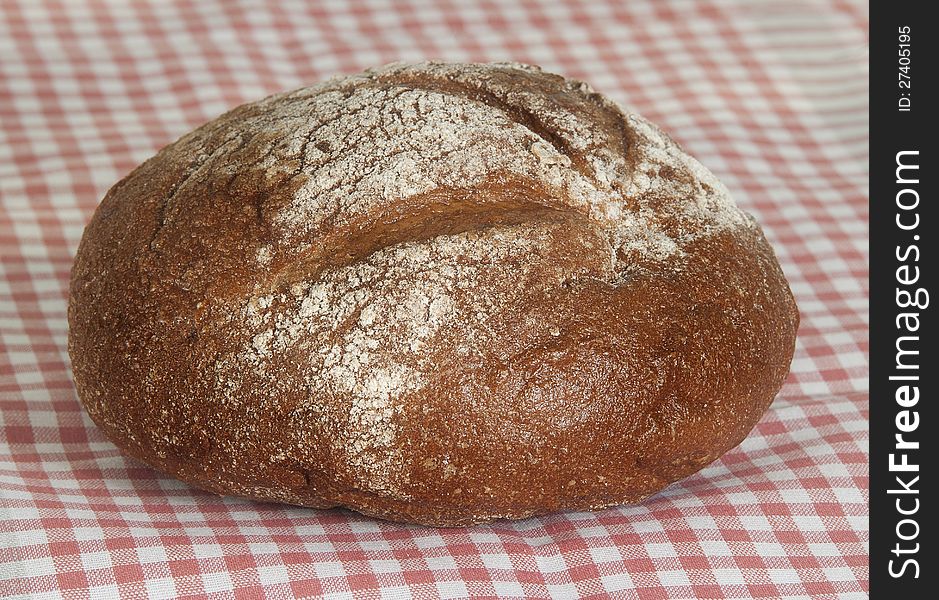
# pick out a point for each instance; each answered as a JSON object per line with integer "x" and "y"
{"x": 772, "y": 96}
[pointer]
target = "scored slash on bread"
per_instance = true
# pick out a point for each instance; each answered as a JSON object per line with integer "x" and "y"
{"x": 435, "y": 293}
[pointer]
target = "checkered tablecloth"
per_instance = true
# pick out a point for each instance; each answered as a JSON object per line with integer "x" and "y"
{"x": 772, "y": 96}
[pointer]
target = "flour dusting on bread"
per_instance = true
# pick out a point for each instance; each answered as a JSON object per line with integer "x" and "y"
{"x": 362, "y": 143}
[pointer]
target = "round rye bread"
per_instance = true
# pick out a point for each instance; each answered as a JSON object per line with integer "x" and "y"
{"x": 434, "y": 293}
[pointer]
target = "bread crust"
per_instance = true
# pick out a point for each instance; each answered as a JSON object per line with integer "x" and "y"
{"x": 434, "y": 293}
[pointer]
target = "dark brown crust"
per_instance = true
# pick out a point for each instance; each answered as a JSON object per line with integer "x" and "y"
{"x": 601, "y": 389}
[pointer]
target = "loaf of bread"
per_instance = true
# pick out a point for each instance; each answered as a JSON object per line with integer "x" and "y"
{"x": 434, "y": 293}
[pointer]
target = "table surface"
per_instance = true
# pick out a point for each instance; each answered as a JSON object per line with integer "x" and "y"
{"x": 772, "y": 96}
